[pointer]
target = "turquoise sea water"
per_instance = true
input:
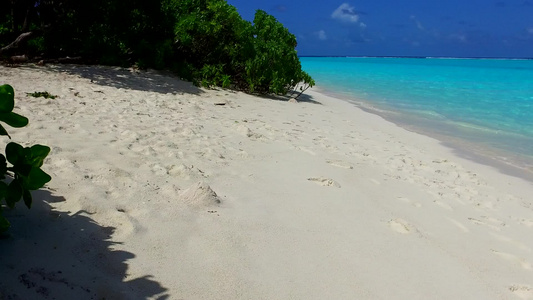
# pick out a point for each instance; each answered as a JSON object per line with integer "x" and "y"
{"x": 479, "y": 105}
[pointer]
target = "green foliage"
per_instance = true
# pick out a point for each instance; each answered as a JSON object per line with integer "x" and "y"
{"x": 104, "y": 31}
{"x": 213, "y": 75}
{"x": 275, "y": 67}
{"x": 205, "y": 41}
{"x": 26, "y": 162}
{"x": 213, "y": 39}
{"x": 3, "y": 29}
{"x": 37, "y": 45}
{"x": 222, "y": 49}
{"x": 45, "y": 95}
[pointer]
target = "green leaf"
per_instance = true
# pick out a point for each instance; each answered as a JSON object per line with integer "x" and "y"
{"x": 26, "y": 195}
{"x": 36, "y": 179}
{"x": 22, "y": 170}
{"x": 37, "y": 154}
{"x": 14, "y": 193}
{"x": 14, "y": 120}
{"x": 14, "y": 153}
{"x": 3, "y": 131}
{"x": 7, "y": 98}
{"x": 4, "y": 224}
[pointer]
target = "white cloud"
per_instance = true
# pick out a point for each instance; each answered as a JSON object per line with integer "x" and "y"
{"x": 459, "y": 37}
{"x": 346, "y": 13}
{"x": 530, "y": 30}
{"x": 362, "y": 25}
{"x": 418, "y": 24}
{"x": 321, "y": 34}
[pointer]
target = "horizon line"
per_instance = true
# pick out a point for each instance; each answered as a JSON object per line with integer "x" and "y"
{"x": 420, "y": 57}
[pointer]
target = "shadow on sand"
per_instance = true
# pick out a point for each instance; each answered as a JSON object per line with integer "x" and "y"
{"x": 305, "y": 98}
{"x": 49, "y": 254}
{"x": 151, "y": 81}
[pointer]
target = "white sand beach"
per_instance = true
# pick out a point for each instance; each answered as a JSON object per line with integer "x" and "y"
{"x": 161, "y": 190}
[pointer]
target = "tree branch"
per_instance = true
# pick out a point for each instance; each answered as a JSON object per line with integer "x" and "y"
{"x": 21, "y": 38}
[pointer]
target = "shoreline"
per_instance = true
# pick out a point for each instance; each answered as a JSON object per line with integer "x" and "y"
{"x": 162, "y": 189}
{"x": 425, "y": 57}
{"x": 513, "y": 164}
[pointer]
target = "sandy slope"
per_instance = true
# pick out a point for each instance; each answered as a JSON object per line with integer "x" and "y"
{"x": 160, "y": 192}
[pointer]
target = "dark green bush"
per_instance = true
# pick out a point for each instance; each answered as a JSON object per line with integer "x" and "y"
{"x": 222, "y": 48}
{"x": 274, "y": 67}
{"x": 205, "y": 41}
{"x": 213, "y": 39}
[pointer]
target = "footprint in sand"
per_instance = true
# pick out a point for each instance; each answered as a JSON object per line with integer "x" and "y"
{"x": 409, "y": 201}
{"x": 527, "y": 223}
{"x": 511, "y": 241}
{"x": 479, "y": 222}
{"x": 244, "y": 130}
{"x": 401, "y": 226}
{"x": 375, "y": 181}
{"x": 324, "y": 181}
{"x": 128, "y": 225}
{"x": 459, "y": 225}
{"x": 340, "y": 164}
{"x": 443, "y": 205}
{"x": 522, "y": 291}
{"x": 513, "y": 259}
{"x": 159, "y": 170}
{"x": 306, "y": 150}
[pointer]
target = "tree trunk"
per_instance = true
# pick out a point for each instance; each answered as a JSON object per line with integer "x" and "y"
{"x": 13, "y": 18}
{"x": 20, "y": 15}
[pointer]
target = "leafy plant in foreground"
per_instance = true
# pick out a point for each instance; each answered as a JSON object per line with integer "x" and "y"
{"x": 25, "y": 170}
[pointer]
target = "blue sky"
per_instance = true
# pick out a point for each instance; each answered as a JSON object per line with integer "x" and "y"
{"x": 459, "y": 28}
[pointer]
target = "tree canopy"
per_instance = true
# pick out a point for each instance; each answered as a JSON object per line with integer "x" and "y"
{"x": 205, "y": 41}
